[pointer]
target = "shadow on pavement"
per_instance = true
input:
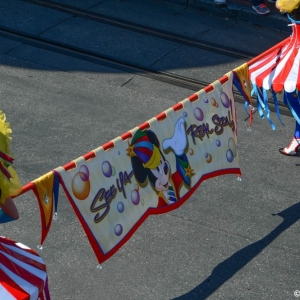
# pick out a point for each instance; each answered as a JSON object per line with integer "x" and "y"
{"x": 225, "y": 270}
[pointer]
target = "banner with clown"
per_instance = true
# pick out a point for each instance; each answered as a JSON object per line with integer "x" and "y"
{"x": 151, "y": 169}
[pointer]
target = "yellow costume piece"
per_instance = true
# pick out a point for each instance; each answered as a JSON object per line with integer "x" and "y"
{"x": 9, "y": 186}
{"x": 243, "y": 74}
{"x": 287, "y": 5}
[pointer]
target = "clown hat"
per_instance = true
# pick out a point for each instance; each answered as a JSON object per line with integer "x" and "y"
{"x": 145, "y": 150}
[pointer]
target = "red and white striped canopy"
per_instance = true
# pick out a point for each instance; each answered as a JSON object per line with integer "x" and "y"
{"x": 22, "y": 272}
{"x": 279, "y": 68}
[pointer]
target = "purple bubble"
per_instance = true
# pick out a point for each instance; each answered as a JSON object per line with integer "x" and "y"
{"x": 106, "y": 169}
{"x": 120, "y": 207}
{"x": 225, "y": 100}
{"x": 84, "y": 173}
{"x": 118, "y": 229}
{"x": 135, "y": 197}
{"x": 199, "y": 115}
{"x": 205, "y": 99}
{"x": 218, "y": 143}
{"x": 229, "y": 155}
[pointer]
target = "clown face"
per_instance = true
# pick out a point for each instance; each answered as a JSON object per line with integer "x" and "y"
{"x": 162, "y": 173}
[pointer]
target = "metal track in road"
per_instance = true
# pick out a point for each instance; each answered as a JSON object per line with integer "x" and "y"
{"x": 79, "y": 53}
{"x": 176, "y": 38}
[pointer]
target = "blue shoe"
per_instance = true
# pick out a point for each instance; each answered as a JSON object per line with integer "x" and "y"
{"x": 261, "y": 9}
{"x": 220, "y": 2}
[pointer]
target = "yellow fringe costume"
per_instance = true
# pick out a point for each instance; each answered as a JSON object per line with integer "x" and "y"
{"x": 287, "y": 5}
{"x": 10, "y": 184}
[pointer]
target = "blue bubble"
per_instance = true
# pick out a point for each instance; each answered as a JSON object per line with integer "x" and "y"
{"x": 106, "y": 169}
{"x": 185, "y": 114}
{"x": 120, "y": 207}
{"x": 218, "y": 143}
{"x": 206, "y": 100}
{"x": 206, "y": 155}
{"x": 229, "y": 155}
{"x": 118, "y": 229}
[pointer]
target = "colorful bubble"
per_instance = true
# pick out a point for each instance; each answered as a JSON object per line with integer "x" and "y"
{"x": 232, "y": 146}
{"x": 191, "y": 151}
{"x": 84, "y": 172}
{"x": 218, "y": 143}
{"x": 80, "y": 188}
{"x": 185, "y": 114}
{"x": 213, "y": 101}
{"x": 206, "y": 100}
{"x": 225, "y": 100}
{"x": 118, "y": 229}
{"x": 120, "y": 207}
{"x": 229, "y": 155}
{"x": 206, "y": 155}
{"x": 209, "y": 158}
{"x": 135, "y": 197}
{"x": 113, "y": 171}
{"x": 136, "y": 187}
{"x": 199, "y": 115}
{"x": 106, "y": 169}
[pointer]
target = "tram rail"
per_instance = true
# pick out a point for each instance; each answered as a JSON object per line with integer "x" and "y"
{"x": 124, "y": 66}
{"x": 173, "y": 37}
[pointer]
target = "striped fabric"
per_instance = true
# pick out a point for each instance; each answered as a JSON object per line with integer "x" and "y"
{"x": 279, "y": 69}
{"x": 22, "y": 272}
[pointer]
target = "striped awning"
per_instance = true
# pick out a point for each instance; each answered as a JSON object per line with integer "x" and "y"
{"x": 22, "y": 272}
{"x": 279, "y": 69}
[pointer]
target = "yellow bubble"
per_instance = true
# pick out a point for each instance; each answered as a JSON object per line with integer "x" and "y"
{"x": 80, "y": 188}
{"x": 209, "y": 158}
{"x": 213, "y": 101}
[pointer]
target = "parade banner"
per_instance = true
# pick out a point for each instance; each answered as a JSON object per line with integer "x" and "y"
{"x": 154, "y": 168}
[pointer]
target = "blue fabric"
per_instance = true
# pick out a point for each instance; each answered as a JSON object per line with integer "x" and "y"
{"x": 265, "y": 93}
{"x": 4, "y": 218}
{"x": 297, "y": 131}
{"x": 238, "y": 85}
{"x": 277, "y": 106}
{"x": 292, "y": 20}
{"x": 260, "y": 104}
{"x": 246, "y": 106}
{"x": 55, "y": 191}
{"x": 292, "y": 100}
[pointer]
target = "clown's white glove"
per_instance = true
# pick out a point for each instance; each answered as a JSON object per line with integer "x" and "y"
{"x": 178, "y": 141}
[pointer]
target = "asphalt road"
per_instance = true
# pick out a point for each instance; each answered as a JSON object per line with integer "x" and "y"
{"x": 230, "y": 240}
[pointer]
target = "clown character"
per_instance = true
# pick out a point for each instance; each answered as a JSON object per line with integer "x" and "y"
{"x": 292, "y": 8}
{"x": 149, "y": 162}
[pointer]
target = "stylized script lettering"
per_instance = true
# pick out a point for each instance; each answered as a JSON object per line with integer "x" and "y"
{"x": 124, "y": 178}
{"x": 104, "y": 197}
{"x": 199, "y": 131}
{"x": 222, "y": 122}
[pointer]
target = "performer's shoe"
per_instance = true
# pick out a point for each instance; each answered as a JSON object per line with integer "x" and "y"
{"x": 293, "y": 149}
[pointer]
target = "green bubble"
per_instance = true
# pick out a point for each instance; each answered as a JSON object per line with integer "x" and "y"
{"x": 113, "y": 170}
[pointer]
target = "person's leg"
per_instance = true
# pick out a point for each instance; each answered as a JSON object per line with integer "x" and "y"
{"x": 294, "y": 105}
